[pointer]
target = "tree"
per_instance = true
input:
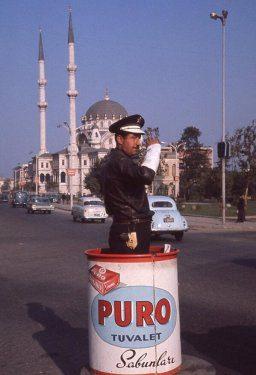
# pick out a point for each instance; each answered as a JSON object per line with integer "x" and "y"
{"x": 92, "y": 180}
{"x": 243, "y": 157}
{"x": 30, "y": 186}
{"x": 211, "y": 183}
{"x": 190, "y": 137}
{"x": 195, "y": 164}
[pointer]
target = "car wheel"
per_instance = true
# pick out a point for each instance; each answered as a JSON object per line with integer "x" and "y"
{"x": 102, "y": 221}
{"x": 49, "y": 212}
{"x": 178, "y": 236}
{"x": 74, "y": 218}
{"x": 28, "y": 211}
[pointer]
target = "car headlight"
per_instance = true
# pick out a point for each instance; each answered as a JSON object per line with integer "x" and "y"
{"x": 33, "y": 206}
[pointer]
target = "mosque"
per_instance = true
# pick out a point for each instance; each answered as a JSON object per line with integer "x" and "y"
{"x": 64, "y": 171}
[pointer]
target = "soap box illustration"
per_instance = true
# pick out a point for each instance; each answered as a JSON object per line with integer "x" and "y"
{"x": 102, "y": 279}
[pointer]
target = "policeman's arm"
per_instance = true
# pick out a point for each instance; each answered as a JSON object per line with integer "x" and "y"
{"x": 146, "y": 172}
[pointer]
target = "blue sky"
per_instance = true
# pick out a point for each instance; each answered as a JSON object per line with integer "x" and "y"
{"x": 160, "y": 58}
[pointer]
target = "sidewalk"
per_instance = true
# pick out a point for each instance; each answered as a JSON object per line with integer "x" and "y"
{"x": 208, "y": 224}
{"x": 64, "y": 207}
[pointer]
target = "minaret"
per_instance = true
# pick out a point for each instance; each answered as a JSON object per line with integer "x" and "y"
{"x": 72, "y": 94}
{"x": 42, "y": 104}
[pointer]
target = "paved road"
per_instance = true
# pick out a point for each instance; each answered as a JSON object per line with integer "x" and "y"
{"x": 43, "y": 295}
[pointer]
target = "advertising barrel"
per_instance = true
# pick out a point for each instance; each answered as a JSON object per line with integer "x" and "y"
{"x": 133, "y": 314}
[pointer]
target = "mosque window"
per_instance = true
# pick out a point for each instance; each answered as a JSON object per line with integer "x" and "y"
{"x": 96, "y": 135}
{"x": 85, "y": 162}
{"x": 41, "y": 177}
{"x": 47, "y": 165}
{"x": 62, "y": 162}
{"x": 63, "y": 177}
{"x": 42, "y": 165}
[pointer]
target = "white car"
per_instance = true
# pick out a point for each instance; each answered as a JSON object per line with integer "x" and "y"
{"x": 89, "y": 209}
{"x": 166, "y": 218}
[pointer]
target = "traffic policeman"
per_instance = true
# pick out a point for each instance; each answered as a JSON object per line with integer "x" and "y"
{"x": 123, "y": 186}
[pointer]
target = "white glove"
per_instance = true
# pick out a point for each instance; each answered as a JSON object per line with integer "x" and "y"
{"x": 152, "y": 157}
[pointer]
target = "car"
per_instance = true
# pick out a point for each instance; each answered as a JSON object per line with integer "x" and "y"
{"x": 39, "y": 204}
{"x": 166, "y": 218}
{"x": 19, "y": 199}
{"x": 89, "y": 209}
{"x": 4, "y": 197}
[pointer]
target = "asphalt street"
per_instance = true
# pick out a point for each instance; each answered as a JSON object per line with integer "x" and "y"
{"x": 43, "y": 309}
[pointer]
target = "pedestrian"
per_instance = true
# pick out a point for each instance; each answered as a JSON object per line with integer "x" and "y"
{"x": 123, "y": 183}
{"x": 63, "y": 198}
{"x": 241, "y": 210}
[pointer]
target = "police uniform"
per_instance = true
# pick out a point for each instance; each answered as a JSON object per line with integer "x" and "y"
{"x": 123, "y": 186}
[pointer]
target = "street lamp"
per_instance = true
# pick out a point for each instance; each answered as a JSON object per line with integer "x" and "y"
{"x": 70, "y": 170}
{"x": 36, "y": 172}
{"x": 65, "y": 125}
{"x": 223, "y": 19}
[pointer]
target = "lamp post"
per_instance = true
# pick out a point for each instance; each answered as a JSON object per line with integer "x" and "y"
{"x": 36, "y": 171}
{"x": 223, "y": 19}
{"x": 37, "y": 178}
{"x": 66, "y": 125}
{"x": 176, "y": 147}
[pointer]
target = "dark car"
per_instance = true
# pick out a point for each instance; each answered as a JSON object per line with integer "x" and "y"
{"x": 20, "y": 199}
{"x": 4, "y": 197}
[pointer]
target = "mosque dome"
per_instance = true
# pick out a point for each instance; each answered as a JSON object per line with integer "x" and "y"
{"x": 106, "y": 109}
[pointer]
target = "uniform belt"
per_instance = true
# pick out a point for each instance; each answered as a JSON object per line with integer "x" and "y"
{"x": 131, "y": 221}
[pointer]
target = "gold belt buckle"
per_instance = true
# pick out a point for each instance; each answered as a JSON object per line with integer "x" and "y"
{"x": 132, "y": 240}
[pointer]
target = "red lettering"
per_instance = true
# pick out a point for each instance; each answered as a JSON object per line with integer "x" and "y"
{"x": 127, "y": 318}
{"x": 104, "y": 310}
{"x": 144, "y": 310}
{"x": 163, "y": 319}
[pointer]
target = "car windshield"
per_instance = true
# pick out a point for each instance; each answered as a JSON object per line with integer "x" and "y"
{"x": 21, "y": 195}
{"x": 162, "y": 204}
{"x": 93, "y": 203}
{"x": 41, "y": 200}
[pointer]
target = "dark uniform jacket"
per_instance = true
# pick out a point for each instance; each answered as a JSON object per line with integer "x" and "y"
{"x": 123, "y": 187}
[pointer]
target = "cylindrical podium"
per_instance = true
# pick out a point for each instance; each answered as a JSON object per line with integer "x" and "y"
{"x": 133, "y": 317}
